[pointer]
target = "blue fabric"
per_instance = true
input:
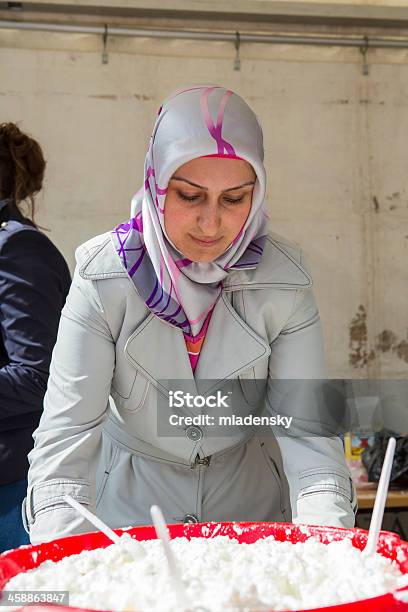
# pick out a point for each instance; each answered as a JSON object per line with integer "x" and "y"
{"x": 12, "y": 532}
{"x": 34, "y": 282}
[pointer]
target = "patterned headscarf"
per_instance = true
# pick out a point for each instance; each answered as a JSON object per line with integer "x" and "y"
{"x": 177, "y": 290}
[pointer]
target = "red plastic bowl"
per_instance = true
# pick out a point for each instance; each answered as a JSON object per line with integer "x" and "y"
{"x": 390, "y": 545}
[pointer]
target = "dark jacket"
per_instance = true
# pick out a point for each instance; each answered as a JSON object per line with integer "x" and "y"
{"x": 34, "y": 283}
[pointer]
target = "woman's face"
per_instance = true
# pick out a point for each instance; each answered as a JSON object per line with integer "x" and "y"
{"x": 207, "y": 203}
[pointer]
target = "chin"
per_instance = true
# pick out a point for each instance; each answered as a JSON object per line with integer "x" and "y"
{"x": 204, "y": 257}
{"x": 201, "y": 255}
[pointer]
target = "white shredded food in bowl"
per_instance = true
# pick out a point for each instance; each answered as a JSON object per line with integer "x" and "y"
{"x": 219, "y": 574}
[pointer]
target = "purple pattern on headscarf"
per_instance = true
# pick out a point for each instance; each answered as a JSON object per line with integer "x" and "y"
{"x": 182, "y": 263}
{"x": 140, "y": 268}
{"x": 255, "y": 249}
{"x": 215, "y": 130}
{"x": 252, "y": 255}
{"x": 159, "y": 190}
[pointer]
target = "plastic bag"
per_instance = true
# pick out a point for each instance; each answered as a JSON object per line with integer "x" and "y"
{"x": 373, "y": 458}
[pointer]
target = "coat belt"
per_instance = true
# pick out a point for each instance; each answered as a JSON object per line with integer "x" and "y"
{"x": 140, "y": 447}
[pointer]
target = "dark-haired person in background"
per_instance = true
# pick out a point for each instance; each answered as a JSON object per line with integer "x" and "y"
{"x": 34, "y": 282}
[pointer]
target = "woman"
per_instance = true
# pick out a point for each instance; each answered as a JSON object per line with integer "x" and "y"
{"x": 192, "y": 292}
{"x": 34, "y": 282}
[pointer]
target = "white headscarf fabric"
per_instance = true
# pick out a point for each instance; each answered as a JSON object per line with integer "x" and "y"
{"x": 203, "y": 120}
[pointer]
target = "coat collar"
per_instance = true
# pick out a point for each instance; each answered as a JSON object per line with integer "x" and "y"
{"x": 11, "y": 212}
{"x": 3, "y": 207}
{"x": 280, "y": 266}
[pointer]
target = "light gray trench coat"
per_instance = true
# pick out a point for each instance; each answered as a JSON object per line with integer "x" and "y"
{"x": 97, "y": 439}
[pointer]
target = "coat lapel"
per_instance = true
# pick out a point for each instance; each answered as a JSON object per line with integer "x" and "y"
{"x": 229, "y": 348}
{"x": 158, "y": 350}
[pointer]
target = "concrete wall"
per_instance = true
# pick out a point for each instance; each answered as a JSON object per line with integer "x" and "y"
{"x": 336, "y": 157}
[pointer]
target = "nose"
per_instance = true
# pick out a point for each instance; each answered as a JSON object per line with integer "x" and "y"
{"x": 209, "y": 220}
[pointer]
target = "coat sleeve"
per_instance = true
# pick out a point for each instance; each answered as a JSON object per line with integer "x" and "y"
{"x": 63, "y": 460}
{"x": 321, "y": 489}
{"x": 32, "y": 294}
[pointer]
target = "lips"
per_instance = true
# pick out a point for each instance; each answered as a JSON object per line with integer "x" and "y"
{"x": 205, "y": 242}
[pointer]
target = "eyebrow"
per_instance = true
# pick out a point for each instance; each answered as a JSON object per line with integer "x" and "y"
{"x": 179, "y": 178}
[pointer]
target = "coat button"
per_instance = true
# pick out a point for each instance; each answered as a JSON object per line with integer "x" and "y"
{"x": 190, "y": 518}
{"x": 3, "y": 225}
{"x": 194, "y": 433}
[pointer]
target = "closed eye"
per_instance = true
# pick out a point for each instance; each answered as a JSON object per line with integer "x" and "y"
{"x": 193, "y": 198}
{"x": 236, "y": 201}
{"x": 187, "y": 198}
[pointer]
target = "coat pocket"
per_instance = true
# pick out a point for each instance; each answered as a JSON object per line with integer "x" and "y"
{"x": 270, "y": 462}
{"x": 129, "y": 389}
{"x": 108, "y": 464}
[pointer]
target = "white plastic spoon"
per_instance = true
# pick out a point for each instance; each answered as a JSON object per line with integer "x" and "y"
{"x": 138, "y": 548}
{"x": 162, "y": 533}
{"x": 380, "y": 499}
{"x": 92, "y": 519}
